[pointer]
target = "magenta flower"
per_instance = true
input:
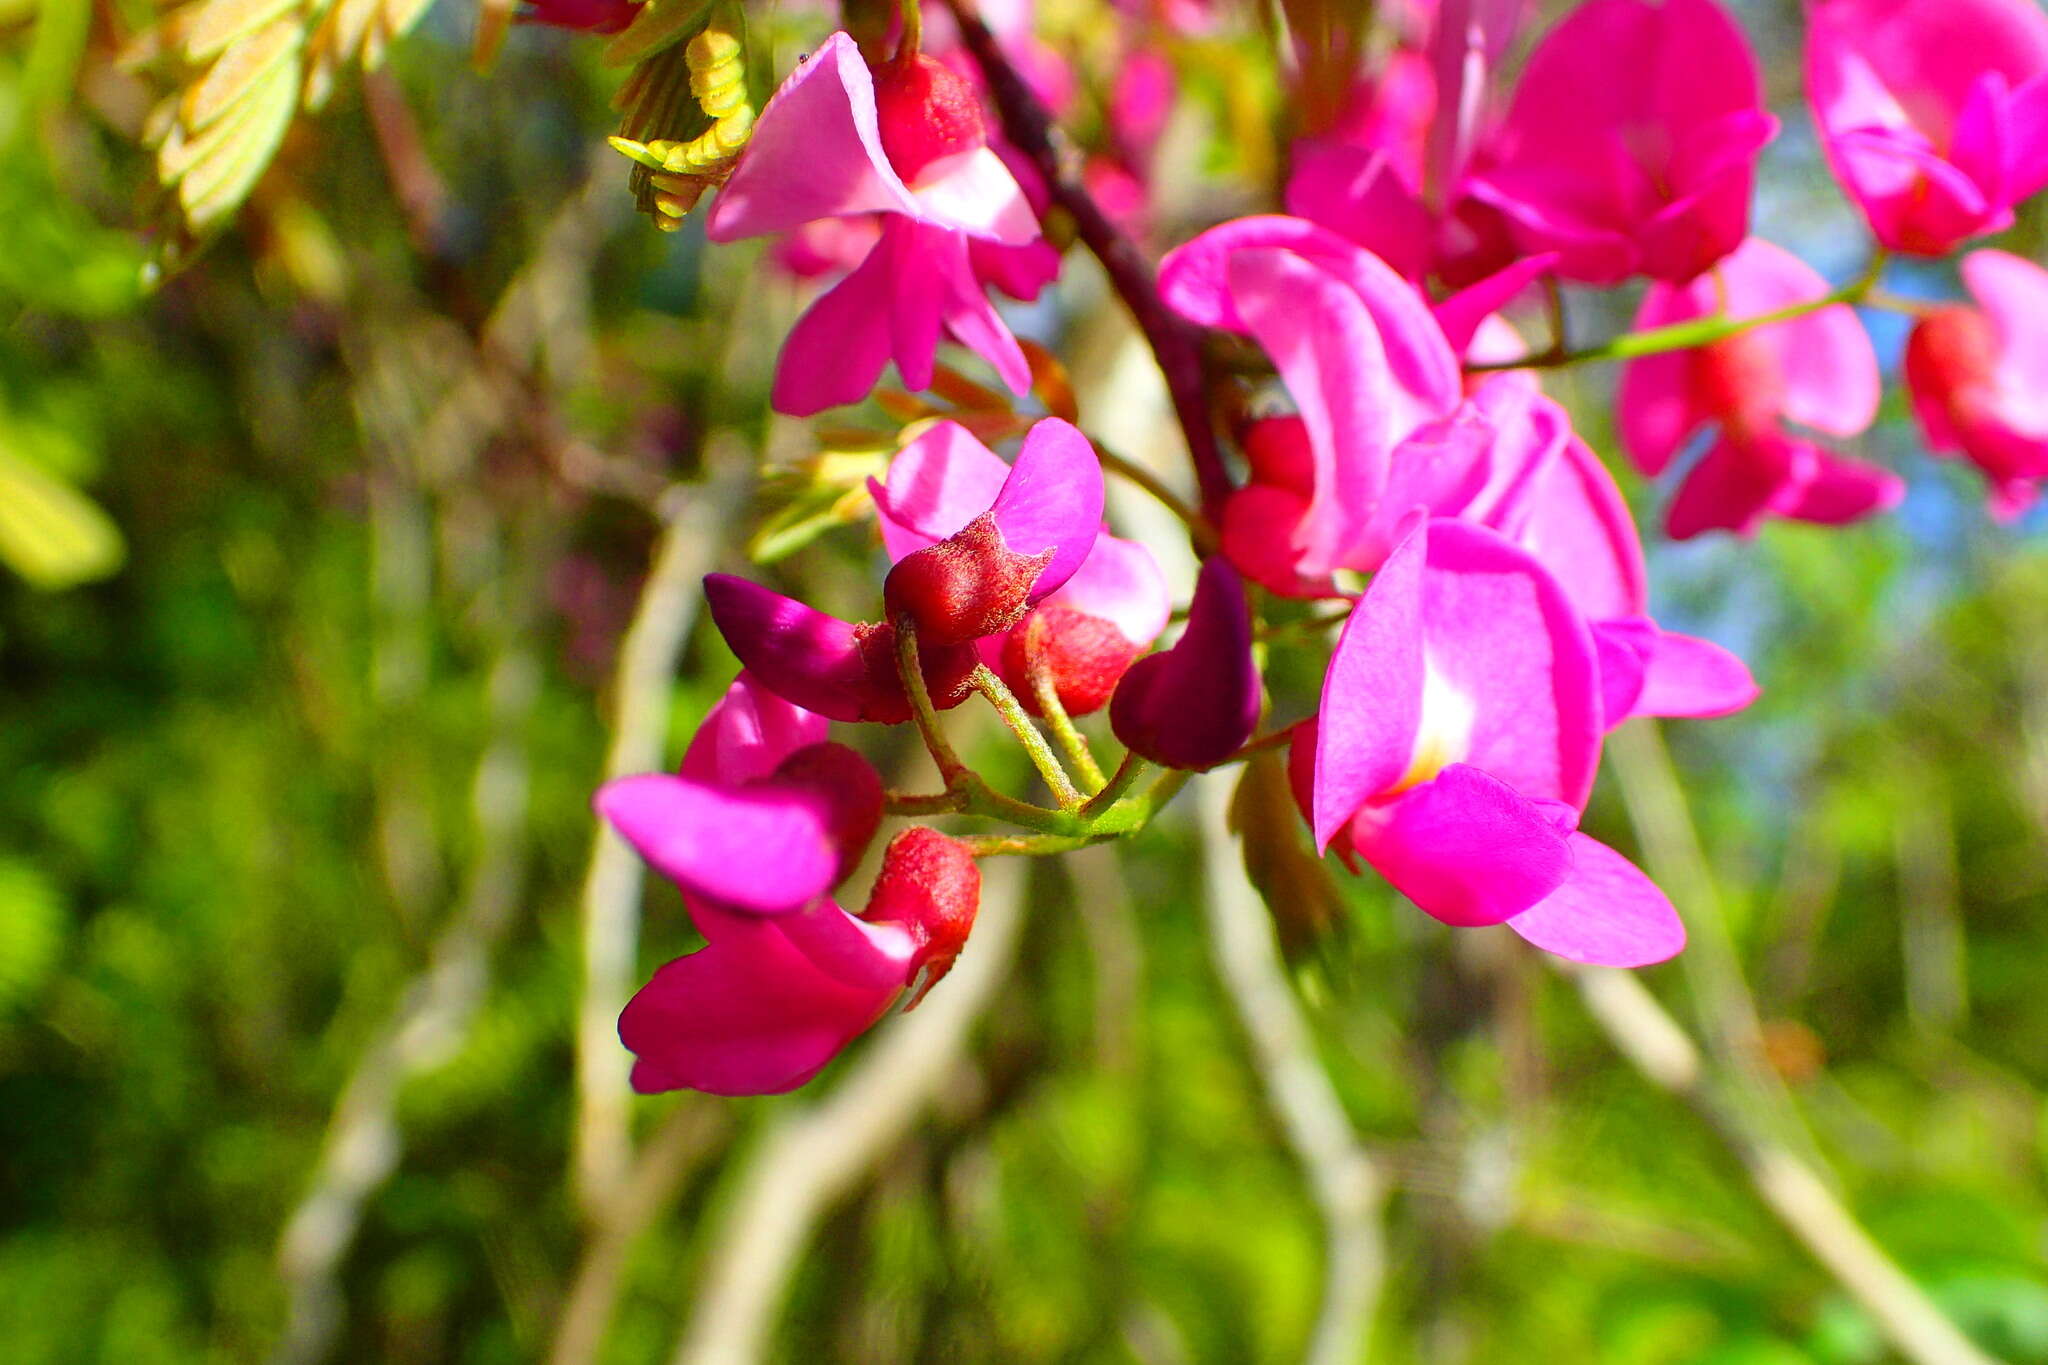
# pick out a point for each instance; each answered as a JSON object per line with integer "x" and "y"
{"x": 1195, "y": 704}
{"x": 1357, "y": 348}
{"x": 841, "y": 670}
{"x": 1817, "y": 370}
{"x": 1632, "y": 139}
{"x": 586, "y": 16}
{"x": 907, "y": 141}
{"x": 1088, "y": 630}
{"x": 1933, "y": 113}
{"x": 1456, "y": 745}
{"x": 1012, "y": 551}
{"x": 1979, "y": 377}
{"x": 763, "y": 821}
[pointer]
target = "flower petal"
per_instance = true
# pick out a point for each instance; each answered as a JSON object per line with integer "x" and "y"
{"x": 768, "y": 850}
{"x": 1466, "y": 847}
{"x": 1608, "y": 914}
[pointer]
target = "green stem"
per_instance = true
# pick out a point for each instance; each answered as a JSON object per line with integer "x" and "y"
{"x": 921, "y": 709}
{"x": 1042, "y": 757}
{"x": 1684, "y": 336}
{"x": 1028, "y": 845}
{"x": 1045, "y": 691}
{"x": 939, "y": 803}
{"x": 1200, "y": 530}
{"x": 1127, "y": 774}
{"x": 913, "y": 30}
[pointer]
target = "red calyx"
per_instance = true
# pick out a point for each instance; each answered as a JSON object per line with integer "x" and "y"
{"x": 1085, "y": 656}
{"x": 927, "y": 113}
{"x": 1740, "y": 380}
{"x": 1277, "y": 449}
{"x": 930, "y": 885}
{"x": 947, "y": 669}
{"x": 964, "y": 588}
{"x": 1951, "y": 351}
{"x": 846, "y": 785}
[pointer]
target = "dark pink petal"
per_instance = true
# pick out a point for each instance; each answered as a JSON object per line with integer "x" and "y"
{"x": 800, "y": 654}
{"x": 1261, "y": 526}
{"x": 1840, "y": 490}
{"x": 1608, "y": 914}
{"x": 1687, "y": 676}
{"x": 763, "y": 849}
{"x": 1465, "y": 846}
{"x": 1371, "y": 707}
{"x": 1736, "y": 485}
{"x": 844, "y": 340}
{"x": 1359, "y": 193}
{"x": 1624, "y": 649}
{"x": 1461, "y": 313}
{"x": 747, "y": 734}
{"x": 748, "y": 1014}
{"x": 1194, "y": 705}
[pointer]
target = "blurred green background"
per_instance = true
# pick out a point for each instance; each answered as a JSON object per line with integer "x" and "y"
{"x": 318, "y": 557}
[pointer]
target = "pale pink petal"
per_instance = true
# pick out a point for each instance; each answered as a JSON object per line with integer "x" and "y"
{"x": 936, "y": 485}
{"x": 816, "y": 152}
{"x": 1500, "y": 634}
{"x": 2013, "y": 291}
{"x": 975, "y": 193}
{"x": 1052, "y": 500}
{"x": 1577, "y": 525}
{"x": 1121, "y": 583}
{"x": 1608, "y": 914}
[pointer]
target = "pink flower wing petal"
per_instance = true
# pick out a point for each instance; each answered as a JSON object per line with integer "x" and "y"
{"x": 1371, "y": 705}
{"x": 748, "y": 734}
{"x": 936, "y": 485}
{"x": 1052, "y": 500}
{"x": 1608, "y": 914}
{"x": 762, "y": 850}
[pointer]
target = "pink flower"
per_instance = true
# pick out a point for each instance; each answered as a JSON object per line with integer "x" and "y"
{"x": 1456, "y": 746}
{"x": 1017, "y": 549}
{"x": 1088, "y": 630}
{"x": 1632, "y": 140}
{"x": 1195, "y": 704}
{"x": 763, "y": 821}
{"x": 1817, "y": 370}
{"x": 1979, "y": 377}
{"x": 1356, "y": 346}
{"x": 1933, "y": 113}
{"x": 908, "y": 142}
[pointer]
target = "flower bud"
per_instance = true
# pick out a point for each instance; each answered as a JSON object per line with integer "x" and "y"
{"x": 927, "y": 114}
{"x": 964, "y": 587}
{"x": 1084, "y": 655}
{"x": 1195, "y": 704}
{"x": 841, "y": 670}
{"x": 929, "y": 885}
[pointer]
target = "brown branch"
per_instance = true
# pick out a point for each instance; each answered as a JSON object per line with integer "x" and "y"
{"x": 1175, "y": 343}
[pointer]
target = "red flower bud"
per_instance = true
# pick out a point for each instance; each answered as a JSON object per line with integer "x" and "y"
{"x": 929, "y": 885}
{"x": 1084, "y": 655}
{"x": 964, "y": 587}
{"x": 1279, "y": 453}
{"x": 927, "y": 114}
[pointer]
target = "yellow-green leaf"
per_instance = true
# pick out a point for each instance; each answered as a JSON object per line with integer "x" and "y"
{"x": 224, "y": 22}
{"x": 50, "y": 533}
{"x": 240, "y": 70}
{"x": 659, "y": 24}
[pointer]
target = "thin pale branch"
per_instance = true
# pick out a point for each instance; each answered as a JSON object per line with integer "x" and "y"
{"x": 1346, "y": 1185}
{"x": 653, "y": 642}
{"x": 815, "y": 1153}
